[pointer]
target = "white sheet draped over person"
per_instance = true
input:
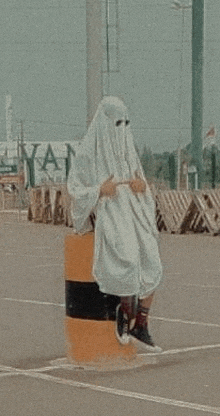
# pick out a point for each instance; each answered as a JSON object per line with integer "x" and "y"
{"x": 126, "y": 259}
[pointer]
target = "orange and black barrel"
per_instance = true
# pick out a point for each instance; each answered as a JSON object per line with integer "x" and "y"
{"x": 90, "y": 314}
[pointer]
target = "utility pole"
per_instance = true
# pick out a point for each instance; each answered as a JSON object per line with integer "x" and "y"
{"x": 21, "y": 158}
{"x": 8, "y": 107}
{"x": 94, "y": 56}
{"x": 21, "y": 170}
{"x": 178, "y": 6}
{"x": 197, "y": 87}
{"x": 107, "y": 45}
{"x": 213, "y": 167}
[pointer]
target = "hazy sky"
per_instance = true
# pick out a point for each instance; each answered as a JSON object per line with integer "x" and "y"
{"x": 43, "y": 67}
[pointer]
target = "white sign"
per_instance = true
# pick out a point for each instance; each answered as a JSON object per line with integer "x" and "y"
{"x": 192, "y": 169}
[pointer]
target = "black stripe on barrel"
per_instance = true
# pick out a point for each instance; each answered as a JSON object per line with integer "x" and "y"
{"x": 85, "y": 301}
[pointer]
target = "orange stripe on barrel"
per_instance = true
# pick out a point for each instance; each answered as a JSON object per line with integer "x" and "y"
{"x": 79, "y": 257}
{"x": 90, "y": 341}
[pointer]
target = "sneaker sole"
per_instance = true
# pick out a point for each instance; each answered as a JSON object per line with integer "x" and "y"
{"x": 125, "y": 339}
{"x": 148, "y": 347}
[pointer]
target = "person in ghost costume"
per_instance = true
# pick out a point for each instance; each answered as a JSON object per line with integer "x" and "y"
{"x": 106, "y": 178}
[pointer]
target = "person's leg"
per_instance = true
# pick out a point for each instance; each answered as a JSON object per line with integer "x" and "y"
{"x": 143, "y": 310}
{"x": 146, "y": 302}
{"x": 128, "y": 306}
{"x": 125, "y": 313}
{"x": 140, "y": 330}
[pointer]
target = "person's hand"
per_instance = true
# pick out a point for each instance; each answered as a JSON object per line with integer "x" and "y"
{"x": 108, "y": 188}
{"x": 137, "y": 185}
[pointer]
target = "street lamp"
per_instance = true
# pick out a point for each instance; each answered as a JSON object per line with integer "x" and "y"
{"x": 177, "y": 5}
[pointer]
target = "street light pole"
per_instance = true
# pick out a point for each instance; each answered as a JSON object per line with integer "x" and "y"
{"x": 94, "y": 49}
{"x": 197, "y": 86}
{"x": 107, "y": 46}
{"x": 179, "y": 6}
{"x": 20, "y": 171}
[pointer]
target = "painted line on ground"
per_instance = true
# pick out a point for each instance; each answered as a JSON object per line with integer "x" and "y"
{"x": 11, "y": 373}
{"x": 13, "y": 253}
{"x": 180, "y": 321}
{"x": 77, "y": 366}
{"x": 31, "y": 255}
{"x": 49, "y": 368}
{"x": 116, "y": 392}
{"x": 42, "y": 248}
{"x": 37, "y": 302}
{"x": 38, "y": 266}
{"x": 146, "y": 354}
{"x": 167, "y": 273}
{"x": 45, "y": 265}
{"x": 194, "y": 284}
{"x": 123, "y": 393}
{"x": 7, "y": 368}
{"x": 61, "y": 367}
{"x": 181, "y": 350}
{"x": 62, "y": 305}
{"x": 68, "y": 366}
{"x": 202, "y": 286}
{"x": 35, "y": 373}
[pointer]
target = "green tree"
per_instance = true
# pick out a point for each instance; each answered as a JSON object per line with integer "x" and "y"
{"x": 148, "y": 163}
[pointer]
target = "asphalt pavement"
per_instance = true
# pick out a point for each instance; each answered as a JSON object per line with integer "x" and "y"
{"x": 36, "y": 377}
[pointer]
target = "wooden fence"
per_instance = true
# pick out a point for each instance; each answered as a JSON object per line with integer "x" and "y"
{"x": 171, "y": 207}
{"x": 13, "y": 200}
{"x": 203, "y": 213}
{"x": 176, "y": 211}
{"x": 50, "y": 204}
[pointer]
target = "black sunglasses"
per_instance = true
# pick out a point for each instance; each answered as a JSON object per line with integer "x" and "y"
{"x": 119, "y": 122}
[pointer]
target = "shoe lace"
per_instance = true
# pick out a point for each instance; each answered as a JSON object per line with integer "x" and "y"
{"x": 125, "y": 325}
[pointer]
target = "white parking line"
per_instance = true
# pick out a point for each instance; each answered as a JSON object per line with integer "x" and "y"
{"x": 193, "y": 284}
{"x": 181, "y": 350}
{"x": 37, "y": 266}
{"x": 62, "y": 305}
{"x": 37, "y": 302}
{"x": 7, "y": 368}
{"x": 122, "y": 393}
{"x": 180, "y": 321}
{"x": 202, "y": 286}
{"x": 61, "y": 366}
{"x": 35, "y": 373}
{"x": 12, "y": 253}
{"x": 45, "y": 265}
{"x": 16, "y": 253}
{"x": 48, "y": 368}
{"x": 69, "y": 366}
{"x": 42, "y": 248}
{"x": 11, "y": 373}
{"x": 167, "y": 273}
